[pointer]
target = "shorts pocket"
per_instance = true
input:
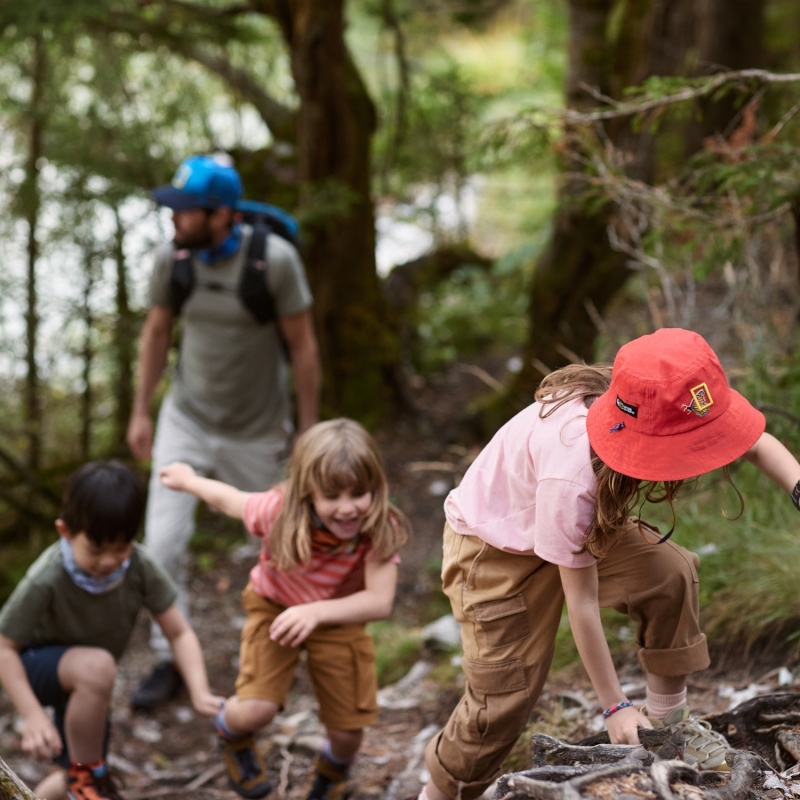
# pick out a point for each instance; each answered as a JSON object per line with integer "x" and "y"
{"x": 503, "y": 622}
{"x": 496, "y": 703}
{"x": 366, "y": 676}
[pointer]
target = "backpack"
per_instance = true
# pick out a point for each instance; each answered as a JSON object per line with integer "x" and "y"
{"x": 253, "y": 289}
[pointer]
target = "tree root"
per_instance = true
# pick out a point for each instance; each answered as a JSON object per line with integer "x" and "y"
{"x": 594, "y": 768}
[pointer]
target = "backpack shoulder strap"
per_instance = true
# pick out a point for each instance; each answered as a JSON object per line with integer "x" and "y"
{"x": 182, "y": 279}
{"x": 253, "y": 287}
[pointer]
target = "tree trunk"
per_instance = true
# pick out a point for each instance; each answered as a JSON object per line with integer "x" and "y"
{"x": 31, "y": 202}
{"x": 88, "y": 358}
{"x": 579, "y": 269}
{"x": 335, "y": 125}
{"x": 124, "y": 342}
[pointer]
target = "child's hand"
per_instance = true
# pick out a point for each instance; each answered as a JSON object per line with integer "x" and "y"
{"x": 294, "y": 625}
{"x": 176, "y": 476}
{"x": 40, "y": 737}
{"x": 623, "y": 726}
{"x": 208, "y": 704}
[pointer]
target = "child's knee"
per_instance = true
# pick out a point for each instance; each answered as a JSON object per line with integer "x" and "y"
{"x": 96, "y": 671}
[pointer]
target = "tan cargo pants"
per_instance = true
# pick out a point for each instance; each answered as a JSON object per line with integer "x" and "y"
{"x": 509, "y": 607}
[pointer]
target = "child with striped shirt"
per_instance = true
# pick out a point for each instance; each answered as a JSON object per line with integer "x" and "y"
{"x": 328, "y": 565}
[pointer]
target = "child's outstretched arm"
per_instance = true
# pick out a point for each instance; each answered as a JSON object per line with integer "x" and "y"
{"x": 182, "y": 478}
{"x": 189, "y": 660}
{"x": 40, "y": 738}
{"x": 775, "y": 461}
{"x": 293, "y": 626}
{"x": 580, "y": 590}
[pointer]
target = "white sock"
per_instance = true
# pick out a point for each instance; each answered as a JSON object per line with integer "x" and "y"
{"x": 659, "y": 706}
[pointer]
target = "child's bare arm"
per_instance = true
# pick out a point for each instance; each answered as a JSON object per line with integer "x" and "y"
{"x": 580, "y": 590}
{"x": 40, "y": 738}
{"x": 182, "y": 478}
{"x": 189, "y": 660}
{"x": 293, "y": 626}
{"x": 775, "y": 461}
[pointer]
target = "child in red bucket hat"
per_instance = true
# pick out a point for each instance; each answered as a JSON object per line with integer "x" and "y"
{"x": 544, "y": 514}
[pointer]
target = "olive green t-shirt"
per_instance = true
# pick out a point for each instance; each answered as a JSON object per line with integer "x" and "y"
{"x": 232, "y": 374}
{"x": 48, "y": 607}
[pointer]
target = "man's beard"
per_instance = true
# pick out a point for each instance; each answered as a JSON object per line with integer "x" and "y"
{"x": 195, "y": 239}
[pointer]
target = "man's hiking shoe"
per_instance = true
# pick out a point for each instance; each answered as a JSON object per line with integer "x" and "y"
{"x": 82, "y": 785}
{"x": 328, "y": 781}
{"x": 161, "y": 685}
{"x": 705, "y": 748}
{"x": 245, "y": 767}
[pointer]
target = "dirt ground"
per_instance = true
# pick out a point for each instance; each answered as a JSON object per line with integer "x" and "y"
{"x": 173, "y": 752}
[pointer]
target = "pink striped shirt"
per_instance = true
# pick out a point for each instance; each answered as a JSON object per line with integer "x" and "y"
{"x": 334, "y": 571}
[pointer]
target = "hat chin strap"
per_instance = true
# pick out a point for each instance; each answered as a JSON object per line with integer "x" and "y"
{"x": 671, "y": 530}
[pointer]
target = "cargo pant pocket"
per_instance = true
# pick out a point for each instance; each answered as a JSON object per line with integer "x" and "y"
{"x": 502, "y": 622}
{"x": 496, "y": 702}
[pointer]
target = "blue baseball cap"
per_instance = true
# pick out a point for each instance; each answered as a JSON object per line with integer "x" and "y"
{"x": 201, "y": 182}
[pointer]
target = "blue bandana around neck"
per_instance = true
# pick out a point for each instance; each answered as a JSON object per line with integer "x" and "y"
{"x": 91, "y": 583}
{"x": 226, "y": 248}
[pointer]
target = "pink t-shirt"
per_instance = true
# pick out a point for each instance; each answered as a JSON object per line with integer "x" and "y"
{"x": 336, "y": 568}
{"x": 531, "y": 489}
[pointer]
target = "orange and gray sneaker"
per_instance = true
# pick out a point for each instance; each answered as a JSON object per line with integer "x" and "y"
{"x": 83, "y": 784}
{"x": 246, "y": 770}
{"x": 704, "y": 748}
{"x": 328, "y": 781}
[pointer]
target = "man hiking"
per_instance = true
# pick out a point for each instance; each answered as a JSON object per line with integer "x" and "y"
{"x": 245, "y": 317}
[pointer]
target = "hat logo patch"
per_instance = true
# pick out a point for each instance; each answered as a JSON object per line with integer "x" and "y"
{"x": 701, "y": 401}
{"x": 627, "y": 408}
{"x": 182, "y": 176}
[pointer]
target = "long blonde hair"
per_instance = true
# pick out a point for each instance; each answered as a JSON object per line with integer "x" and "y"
{"x": 617, "y": 494}
{"x": 330, "y": 457}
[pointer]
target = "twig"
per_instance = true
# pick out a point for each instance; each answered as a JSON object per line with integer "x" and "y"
{"x": 204, "y": 777}
{"x": 707, "y": 87}
{"x": 483, "y": 375}
{"x": 284, "y": 780}
{"x": 433, "y": 466}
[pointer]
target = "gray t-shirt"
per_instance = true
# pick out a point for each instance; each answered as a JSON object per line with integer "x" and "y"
{"x": 232, "y": 372}
{"x": 48, "y": 607}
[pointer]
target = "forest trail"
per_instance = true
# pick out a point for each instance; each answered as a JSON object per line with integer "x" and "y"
{"x": 173, "y": 752}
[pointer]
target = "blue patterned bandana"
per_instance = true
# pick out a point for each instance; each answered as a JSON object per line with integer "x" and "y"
{"x": 91, "y": 583}
{"x": 227, "y": 247}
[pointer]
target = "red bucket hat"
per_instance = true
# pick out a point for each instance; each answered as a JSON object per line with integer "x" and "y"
{"x": 669, "y": 413}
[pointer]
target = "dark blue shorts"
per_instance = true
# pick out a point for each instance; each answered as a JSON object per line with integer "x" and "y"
{"x": 41, "y": 667}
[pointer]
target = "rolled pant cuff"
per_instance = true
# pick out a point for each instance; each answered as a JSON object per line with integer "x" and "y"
{"x": 445, "y": 782}
{"x": 676, "y": 661}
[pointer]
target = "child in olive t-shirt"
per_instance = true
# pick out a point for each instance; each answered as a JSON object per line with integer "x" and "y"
{"x": 69, "y": 620}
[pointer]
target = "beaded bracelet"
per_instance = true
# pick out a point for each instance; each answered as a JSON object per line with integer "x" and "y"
{"x": 796, "y": 495}
{"x": 618, "y": 707}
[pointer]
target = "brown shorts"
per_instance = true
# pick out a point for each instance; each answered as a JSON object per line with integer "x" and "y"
{"x": 341, "y": 662}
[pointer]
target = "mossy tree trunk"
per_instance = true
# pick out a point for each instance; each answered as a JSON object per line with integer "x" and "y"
{"x": 335, "y": 124}
{"x": 615, "y": 44}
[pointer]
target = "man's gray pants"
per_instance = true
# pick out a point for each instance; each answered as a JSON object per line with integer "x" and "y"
{"x": 252, "y": 465}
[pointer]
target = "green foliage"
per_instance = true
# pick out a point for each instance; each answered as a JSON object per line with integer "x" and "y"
{"x": 474, "y": 311}
{"x": 397, "y": 649}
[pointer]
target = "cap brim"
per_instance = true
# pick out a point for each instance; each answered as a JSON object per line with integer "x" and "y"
{"x": 673, "y": 457}
{"x": 174, "y": 198}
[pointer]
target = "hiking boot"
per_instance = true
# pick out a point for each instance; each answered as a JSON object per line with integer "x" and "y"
{"x": 83, "y": 785}
{"x": 161, "y": 685}
{"x": 329, "y": 781}
{"x": 245, "y": 767}
{"x": 704, "y": 748}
